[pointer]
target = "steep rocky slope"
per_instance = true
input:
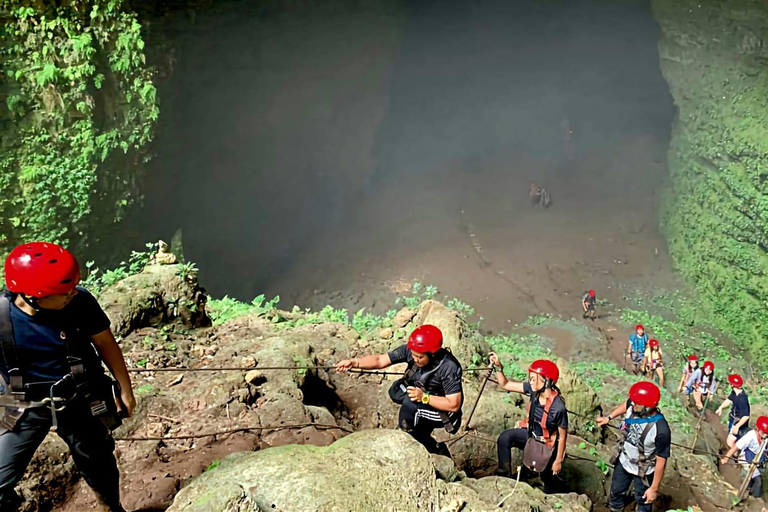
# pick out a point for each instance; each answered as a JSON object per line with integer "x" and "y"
{"x": 714, "y": 55}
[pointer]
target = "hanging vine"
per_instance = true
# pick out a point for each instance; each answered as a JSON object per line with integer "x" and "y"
{"x": 79, "y": 112}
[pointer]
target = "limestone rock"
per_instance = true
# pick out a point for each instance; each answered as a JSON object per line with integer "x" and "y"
{"x": 387, "y": 333}
{"x": 155, "y": 296}
{"x": 402, "y": 317}
{"x": 457, "y": 337}
{"x": 581, "y": 400}
{"x": 369, "y": 470}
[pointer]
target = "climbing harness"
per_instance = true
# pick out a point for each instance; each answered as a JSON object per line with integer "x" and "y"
{"x": 96, "y": 389}
{"x": 756, "y": 461}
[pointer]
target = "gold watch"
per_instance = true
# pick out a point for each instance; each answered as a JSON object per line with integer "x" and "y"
{"x": 425, "y": 398}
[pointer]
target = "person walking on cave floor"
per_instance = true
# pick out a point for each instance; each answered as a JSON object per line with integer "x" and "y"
{"x": 54, "y": 337}
{"x": 638, "y": 341}
{"x": 589, "y": 304}
{"x": 738, "y": 418}
{"x": 701, "y": 383}
{"x": 653, "y": 361}
{"x": 749, "y": 446}
{"x": 643, "y": 454}
{"x": 542, "y": 435}
{"x": 430, "y": 392}
{"x": 688, "y": 369}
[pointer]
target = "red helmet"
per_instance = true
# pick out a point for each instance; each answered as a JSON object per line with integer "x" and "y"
{"x": 645, "y": 393}
{"x": 426, "y": 339}
{"x": 693, "y": 357}
{"x": 735, "y": 380}
{"x": 591, "y": 293}
{"x": 762, "y": 424}
{"x": 39, "y": 269}
{"x": 546, "y": 369}
{"x": 640, "y": 327}
{"x": 653, "y": 343}
{"x": 710, "y": 365}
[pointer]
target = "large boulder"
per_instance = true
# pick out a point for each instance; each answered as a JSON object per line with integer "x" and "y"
{"x": 369, "y": 470}
{"x": 157, "y": 295}
{"x": 467, "y": 345}
{"x": 581, "y": 400}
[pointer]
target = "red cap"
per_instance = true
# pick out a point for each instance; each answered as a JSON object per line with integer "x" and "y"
{"x": 591, "y": 293}
{"x": 645, "y": 393}
{"x": 735, "y": 380}
{"x": 546, "y": 369}
{"x": 40, "y": 269}
{"x": 693, "y": 357}
{"x": 639, "y": 327}
{"x": 710, "y": 365}
{"x": 426, "y": 339}
{"x": 653, "y": 343}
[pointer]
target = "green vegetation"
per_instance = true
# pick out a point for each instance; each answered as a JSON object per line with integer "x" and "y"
{"x": 80, "y": 108}
{"x": 715, "y": 215}
{"x": 213, "y": 465}
{"x": 97, "y": 280}
{"x": 222, "y": 310}
{"x": 516, "y": 352}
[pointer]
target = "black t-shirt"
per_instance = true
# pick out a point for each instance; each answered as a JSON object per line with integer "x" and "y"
{"x": 590, "y": 300}
{"x": 40, "y": 339}
{"x": 557, "y": 416}
{"x": 447, "y": 376}
{"x": 740, "y": 407}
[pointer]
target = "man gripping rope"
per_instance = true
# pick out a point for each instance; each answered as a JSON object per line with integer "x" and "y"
{"x": 51, "y": 374}
{"x": 636, "y": 347}
{"x": 430, "y": 392}
{"x": 749, "y": 446}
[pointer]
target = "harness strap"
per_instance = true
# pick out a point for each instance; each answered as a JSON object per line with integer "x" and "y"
{"x": 8, "y": 351}
{"x": 549, "y": 439}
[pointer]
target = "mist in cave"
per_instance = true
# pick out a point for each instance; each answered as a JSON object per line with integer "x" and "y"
{"x": 330, "y": 152}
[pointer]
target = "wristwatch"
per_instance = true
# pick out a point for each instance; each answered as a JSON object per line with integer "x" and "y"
{"x": 425, "y": 398}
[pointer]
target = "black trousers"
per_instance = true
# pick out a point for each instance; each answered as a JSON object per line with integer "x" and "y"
{"x": 516, "y": 438}
{"x": 89, "y": 441}
{"x": 620, "y": 485}
{"x": 420, "y": 426}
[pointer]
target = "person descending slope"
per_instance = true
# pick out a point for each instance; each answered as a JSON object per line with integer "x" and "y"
{"x": 688, "y": 369}
{"x": 738, "y": 418}
{"x": 589, "y": 303}
{"x": 653, "y": 361}
{"x": 701, "y": 383}
{"x": 430, "y": 392}
{"x": 642, "y": 458}
{"x": 636, "y": 347}
{"x": 749, "y": 446}
{"x": 542, "y": 435}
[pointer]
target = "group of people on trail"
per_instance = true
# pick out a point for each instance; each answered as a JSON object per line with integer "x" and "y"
{"x": 430, "y": 395}
{"x": 700, "y": 383}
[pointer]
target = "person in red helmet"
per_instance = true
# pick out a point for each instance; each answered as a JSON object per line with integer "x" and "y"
{"x": 738, "y": 418}
{"x": 702, "y": 384}
{"x": 54, "y": 337}
{"x": 749, "y": 446}
{"x": 543, "y": 433}
{"x": 637, "y": 345}
{"x": 642, "y": 458}
{"x": 653, "y": 361}
{"x": 588, "y": 304}
{"x": 688, "y": 369}
{"x": 430, "y": 392}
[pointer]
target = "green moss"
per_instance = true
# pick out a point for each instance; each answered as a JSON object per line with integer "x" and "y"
{"x": 715, "y": 214}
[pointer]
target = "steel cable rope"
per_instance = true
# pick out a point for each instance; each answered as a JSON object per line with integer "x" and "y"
{"x": 249, "y": 368}
{"x": 351, "y": 370}
{"x": 318, "y": 426}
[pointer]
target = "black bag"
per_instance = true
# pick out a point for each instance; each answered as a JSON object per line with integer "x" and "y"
{"x": 536, "y": 455}
{"x": 398, "y": 391}
{"x": 103, "y": 396}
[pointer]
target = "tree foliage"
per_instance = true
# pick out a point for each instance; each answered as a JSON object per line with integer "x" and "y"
{"x": 715, "y": 215}
{"x": 79, "y": 111}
